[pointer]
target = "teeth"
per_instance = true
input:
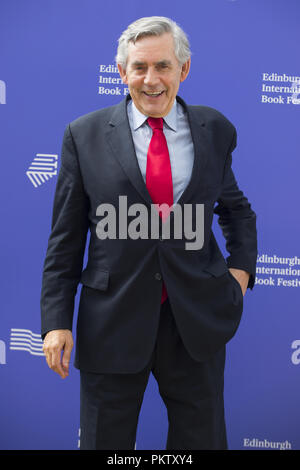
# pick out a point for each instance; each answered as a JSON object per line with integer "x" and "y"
{"x": 153, "y": 94}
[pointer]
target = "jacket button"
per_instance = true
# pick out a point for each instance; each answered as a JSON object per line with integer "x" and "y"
{"x": 158, "y": 276}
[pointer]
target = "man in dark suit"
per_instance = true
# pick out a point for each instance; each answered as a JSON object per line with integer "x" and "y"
{"x": 150, "y": 302}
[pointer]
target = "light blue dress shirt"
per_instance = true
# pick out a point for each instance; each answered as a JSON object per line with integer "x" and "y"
{"x": 179, "y": 140}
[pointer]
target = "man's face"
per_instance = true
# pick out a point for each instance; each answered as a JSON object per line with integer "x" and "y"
{"x": 153, "y": 74}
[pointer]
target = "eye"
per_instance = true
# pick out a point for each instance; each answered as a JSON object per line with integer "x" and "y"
{"x": 162, "y": 66}
{"x": 139, "y": 68}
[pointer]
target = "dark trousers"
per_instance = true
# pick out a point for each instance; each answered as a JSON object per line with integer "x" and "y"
{"x": 192, "y": 392}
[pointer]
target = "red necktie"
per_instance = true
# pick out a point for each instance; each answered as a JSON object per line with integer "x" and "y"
{"x": 158, "y": 173}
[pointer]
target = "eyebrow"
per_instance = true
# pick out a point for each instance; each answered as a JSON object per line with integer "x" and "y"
{"x": 161, "y": 62}
{"x": 136, "y": 63}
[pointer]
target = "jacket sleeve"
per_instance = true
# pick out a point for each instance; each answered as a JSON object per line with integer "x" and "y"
{"x": 237, "y": 221}
{"x": 66, "y": 245}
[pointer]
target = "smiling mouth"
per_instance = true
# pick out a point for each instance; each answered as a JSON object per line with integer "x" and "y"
{"x": 153, "y": 94}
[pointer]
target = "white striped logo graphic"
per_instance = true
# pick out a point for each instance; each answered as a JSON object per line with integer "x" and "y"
{"x": 42, "y": 168}
{"x": 25, "y": 340}
{"x": 2, "y": 92}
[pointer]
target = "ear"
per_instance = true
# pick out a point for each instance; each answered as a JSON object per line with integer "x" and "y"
{"x": 185, "y": 70}
{"x": 122, "y": 73}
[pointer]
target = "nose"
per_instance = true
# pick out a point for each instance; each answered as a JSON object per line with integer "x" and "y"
{"x": 151, "y": 79}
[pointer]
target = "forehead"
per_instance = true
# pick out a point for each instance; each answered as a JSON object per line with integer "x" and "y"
{"x": 152, "y": 49}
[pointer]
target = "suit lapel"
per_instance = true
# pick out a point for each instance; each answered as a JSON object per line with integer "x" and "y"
{"x": 121, "y": 143}
{"x": 200, "y": 141}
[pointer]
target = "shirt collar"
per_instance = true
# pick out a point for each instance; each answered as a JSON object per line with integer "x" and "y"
{"x": 139, "y": 118}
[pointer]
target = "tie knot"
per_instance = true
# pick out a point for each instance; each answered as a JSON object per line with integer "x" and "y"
{"x": 155, "y": 123}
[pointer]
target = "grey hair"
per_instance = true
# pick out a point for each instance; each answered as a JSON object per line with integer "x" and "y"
{"x": 153, "y": 26}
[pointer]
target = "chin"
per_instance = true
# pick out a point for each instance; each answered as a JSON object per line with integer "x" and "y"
{"x": 155, "y": 111}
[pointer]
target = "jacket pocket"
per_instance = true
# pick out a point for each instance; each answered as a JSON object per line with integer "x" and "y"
{"x": 236, "y": 282}
{"x": 95, "y": 278}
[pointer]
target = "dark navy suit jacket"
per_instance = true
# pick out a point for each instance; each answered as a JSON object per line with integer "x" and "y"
{"x": 120, "y": 298}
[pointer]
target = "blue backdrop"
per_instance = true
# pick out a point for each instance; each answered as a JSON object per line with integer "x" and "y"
{"x": 57, "y": 63}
